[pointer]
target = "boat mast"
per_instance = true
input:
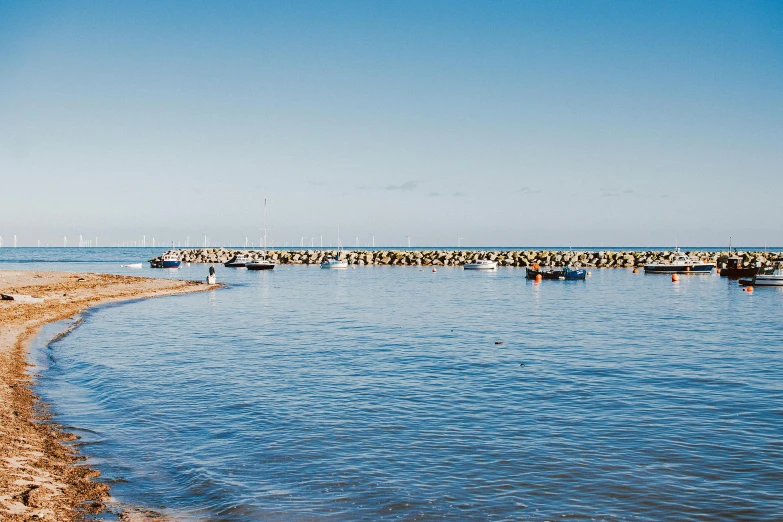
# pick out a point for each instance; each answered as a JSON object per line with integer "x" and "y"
{"x": 265, "y": 227}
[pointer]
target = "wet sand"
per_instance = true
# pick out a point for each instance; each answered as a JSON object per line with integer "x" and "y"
{"x": 41, "y": 478}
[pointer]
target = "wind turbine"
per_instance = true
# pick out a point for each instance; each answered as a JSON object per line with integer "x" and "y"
{"x": 1, "y": 241}
{"x": 15, "y": 242}
{"x": 458, "y": 240}
{"x": 65, "y": 241}
{"x": 409, "y": 241}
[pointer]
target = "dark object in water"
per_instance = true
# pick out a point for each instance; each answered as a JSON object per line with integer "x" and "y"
{"x": 564, "y": 274}
{"x": 498, "y": 342}
{"x": 735, "y": 270}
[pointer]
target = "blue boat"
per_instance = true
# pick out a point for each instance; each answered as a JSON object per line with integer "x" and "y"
{"x": 563, "y": 274}
{"x": 168, "y": 260}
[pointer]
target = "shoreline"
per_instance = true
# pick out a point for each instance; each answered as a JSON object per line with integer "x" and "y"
{"x": 41, "y": 477}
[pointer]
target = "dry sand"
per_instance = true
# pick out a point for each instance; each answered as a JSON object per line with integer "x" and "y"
{"x": 40, "y": 477}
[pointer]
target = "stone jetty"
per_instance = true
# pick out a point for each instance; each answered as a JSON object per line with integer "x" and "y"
{"x": 511, "y": 258}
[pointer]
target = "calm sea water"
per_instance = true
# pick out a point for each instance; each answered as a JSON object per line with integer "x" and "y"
{"x": 380, "y": 393}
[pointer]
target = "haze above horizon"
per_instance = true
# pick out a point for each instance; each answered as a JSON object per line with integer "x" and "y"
{"x": 508, "y": 123}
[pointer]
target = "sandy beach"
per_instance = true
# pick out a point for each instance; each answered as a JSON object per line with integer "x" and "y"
{"x": 40, "y": 477}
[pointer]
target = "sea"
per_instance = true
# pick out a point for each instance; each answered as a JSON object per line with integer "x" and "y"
{"x": 398, "y": 393}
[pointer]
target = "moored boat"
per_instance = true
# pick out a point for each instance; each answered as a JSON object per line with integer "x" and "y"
{"x": 261, "y": 264}
{"x": 481, "y": 264}
{"x": 168, "y": 260}
{"x": 735, "y": 270}
{"x": 563, "y": 274}
{"x": 681, "y": 264}
{"x": 264, "y": 263}
{"x": 333, "y": 262}
{"x": 773, "y": 279}
{"x": 238, "y": 261}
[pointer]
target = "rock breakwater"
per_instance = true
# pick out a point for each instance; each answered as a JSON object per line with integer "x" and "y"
{"x": 511, "y": 258}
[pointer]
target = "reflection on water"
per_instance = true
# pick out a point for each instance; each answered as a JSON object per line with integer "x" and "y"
{"x": 379, "y": 393}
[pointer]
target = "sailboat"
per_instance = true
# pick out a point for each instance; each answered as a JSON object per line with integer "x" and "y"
{"x": 264, "y": 263}
{"x": 331, "y": 262}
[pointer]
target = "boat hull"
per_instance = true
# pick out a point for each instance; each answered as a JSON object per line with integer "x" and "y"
{"x": 335, "y": 266}
{"x": 260, "y": 266}
{"x": 234, "y": 265}
{"x": 763, "y": 280}
{"x": 164, "y": 264}
{"x": 679, "y": 269}
{"x": 563, "y": 274}
{"x": 736, "y": 273}
{"x": 475, "y": 266}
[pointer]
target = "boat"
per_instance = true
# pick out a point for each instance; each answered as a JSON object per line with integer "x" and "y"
{"x": 481, "y": 264}
{"x": 735, "y": 270}
{"x": 168, "y": 260}
{"x": 132, "y": 265}
{"x": 773, "y": 279}
{"x": 261, "y": 264}
{"x": 264, "y": 263}
{"x": 682, "y": 264}
{"x": 238, "y": 261}
{"x": 563, "y": 274}
{"x": 335, "y": 262}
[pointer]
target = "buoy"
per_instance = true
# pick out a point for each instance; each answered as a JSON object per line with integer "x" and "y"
{"x": 635, "y": 270}
{"x": 717, "y": 271}
{"x": 687, "y": 269}
{"x": 589, "y": 273}
{"x": 675, "y": 278}
{"x": 539, "y": 277}
{"x": 434, "y": 269}
{"x": 498, "y": 342}
{"x": 749, "y": 289}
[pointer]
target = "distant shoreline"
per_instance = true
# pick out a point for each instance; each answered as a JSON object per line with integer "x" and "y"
{"x": 39, "y": 475}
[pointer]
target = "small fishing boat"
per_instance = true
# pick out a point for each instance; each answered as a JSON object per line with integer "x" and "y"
{"x": 264, "y": 263}
{"x": 481, "y": 264}
{"x": 735, "y": 270}
{"x": 238, "y": 261}
{"x": 773, "y": 279}
{"x": 132, "y": 265}
{"x": 168, "y": 260}
{"x": 333, "y": 262}
{"x": 261, "y": 264}
{"x": 681, "y": 264}
{"x": 563, "y": 274}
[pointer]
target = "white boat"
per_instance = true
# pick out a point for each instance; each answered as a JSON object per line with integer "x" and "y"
{"x": 238, "y": 261}
{"x": 335, "y": 262}
{"x": 131, "y": 265}
{"x": 481, "y": 264}
{"x": 774, "y": 279}
{"x": 264, "y": 263}
{"x": 331, "y": 262}
{"x": 681, "y": 264}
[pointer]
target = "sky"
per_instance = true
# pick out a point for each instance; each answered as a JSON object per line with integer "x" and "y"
{"x": 499, "y": 123}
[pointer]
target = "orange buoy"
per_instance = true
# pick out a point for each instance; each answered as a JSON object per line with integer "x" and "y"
{"x": 687, "y": 269}
{"x": 539, "y": 277}
{"x": 675, "y": 278}
{"x": 749, "y": 289}
{"x": 434, "y": 269}
{"x": 635, "y": 270}
{"x": 718, "y": 270}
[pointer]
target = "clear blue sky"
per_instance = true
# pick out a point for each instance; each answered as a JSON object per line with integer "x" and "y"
{"x": 505, "y": 123}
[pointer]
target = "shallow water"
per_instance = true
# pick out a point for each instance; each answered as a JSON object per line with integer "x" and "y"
{"x": 379, "y": 393}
